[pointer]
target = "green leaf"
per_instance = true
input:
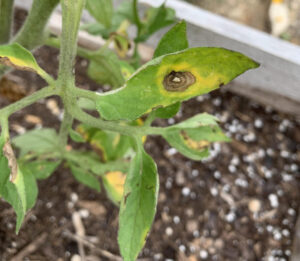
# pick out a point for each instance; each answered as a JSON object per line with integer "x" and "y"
{"x": 156, "y": 18}
{"x": 104, "y": 68}
{"x": 37, "y": 142}
{"x": 85, "y": 177}
{"x": 138, "y": 205}
{"x": 86, "y": 104}
{"x": 4, "y": 168}
{"x": 101, "y": 10}
{"x": 41, "y": 169}
{"x": 12, "y": 196}
{"x": 75, "y": 136}
{"x": 21, "y": 195}
{"x": 27, "y": 186}
{"x": 167, "y": 112}
{"x": 173, "y": 41}
{"x": 16, "y": 56}
{"x": 193, "y": 137}
{"x": 173, "y": 78}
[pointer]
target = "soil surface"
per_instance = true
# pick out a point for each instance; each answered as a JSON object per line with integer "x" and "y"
{"x": 240, "y": 204}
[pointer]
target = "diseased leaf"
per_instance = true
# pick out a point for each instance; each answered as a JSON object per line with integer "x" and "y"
{"x": 108, "y": 145}
{"x": 16, "y": 56}
{"x": 138, "y": 205}
{"x": 12, "y": 161}
{"x": 114, "y": 185}
{"x": 101, "y": 10}
{"x": 42, "y": 169}
{"x": 105, "y": 68}
{"x": 75, "y": 136}
{"x": 85, "y": 177}
{"x": 173, "y": 78}
{"x": 193, "y": 136}
{"x": 173, "y": 41}
{"x": 37, "y": 142}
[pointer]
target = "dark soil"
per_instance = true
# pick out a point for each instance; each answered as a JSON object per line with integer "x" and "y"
{"x": 240, "y": 204}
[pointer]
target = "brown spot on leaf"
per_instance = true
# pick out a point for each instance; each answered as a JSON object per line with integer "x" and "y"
{"x": 196, "y": 145}
{"x": 12, "y": 161}
{"x": 125, "y": 197}
{"x": 178, "y": 81}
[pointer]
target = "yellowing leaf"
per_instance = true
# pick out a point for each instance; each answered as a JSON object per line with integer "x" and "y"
{"x": 16, "y": 56}
{"x": 114, "y": 185}
{"x": 173, "y": 78}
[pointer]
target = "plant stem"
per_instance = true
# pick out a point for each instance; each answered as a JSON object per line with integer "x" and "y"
{"x": 113, "y": 126}
{"x": 32, "y": 34}
{"x": 71, "y": 10}
{"x": 14, "y": 107}
{"x": 6, "y": 11}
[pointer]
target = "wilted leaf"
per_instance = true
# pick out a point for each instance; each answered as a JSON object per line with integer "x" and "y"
{"x": 16, "y": 56}
{"x": 173, "y": 78}
{"x": 138, "y": 205}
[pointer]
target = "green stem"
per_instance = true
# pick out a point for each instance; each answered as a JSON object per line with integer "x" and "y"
{"x": 113, "y": 126}
{"x": 71, "y": 10}
{"x": 6, "y": 12}
{"x": 14, "y": 107}
{"x": 32, "y": 34}
{"x": 4, "y": 129}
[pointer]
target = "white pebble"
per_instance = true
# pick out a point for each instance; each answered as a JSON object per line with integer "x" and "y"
{"x": 74, "y": 197}
{"x": 273, "y": 200}
{"x": 171, "y": 121}
{"x": 230, "y": 217}
{"x": 195, "y": 173}
{"x": 203, "y": 254}
{"x": 186, "y": 191}
{"x": 169, "y": 231}
{"x": 84, "y": 213}
{"x": 286, "y": 232}
{"x": 217, "y": 174}
{"x": 232, "y": 168}
{"x": 292, "y": 211}
{"x": 171, "y": 151}
{"x": 214, "y": 191}
{"x": 182, "y": 248}
{"x": 277, "y": 235}
{"x": 176, "y": 220}
{"x": 258, "y": 123}
{"x": 241, "y": 183}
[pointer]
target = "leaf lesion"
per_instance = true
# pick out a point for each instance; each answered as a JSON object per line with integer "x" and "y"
{"x": 178, "y": 81}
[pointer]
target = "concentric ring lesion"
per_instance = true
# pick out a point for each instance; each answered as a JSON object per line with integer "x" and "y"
{"x": 178, "y": 81}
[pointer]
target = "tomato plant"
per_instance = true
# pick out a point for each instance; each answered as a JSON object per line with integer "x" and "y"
{"x": 139, "y": 95}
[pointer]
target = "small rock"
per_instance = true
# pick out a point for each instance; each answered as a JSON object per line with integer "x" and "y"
{"x": 180, "y": 178}
{"x": 203, "y": 254}
{"x": 191, "y": 226}
{"x": 254, "y": 205}
{"x": 33, "y": 119}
